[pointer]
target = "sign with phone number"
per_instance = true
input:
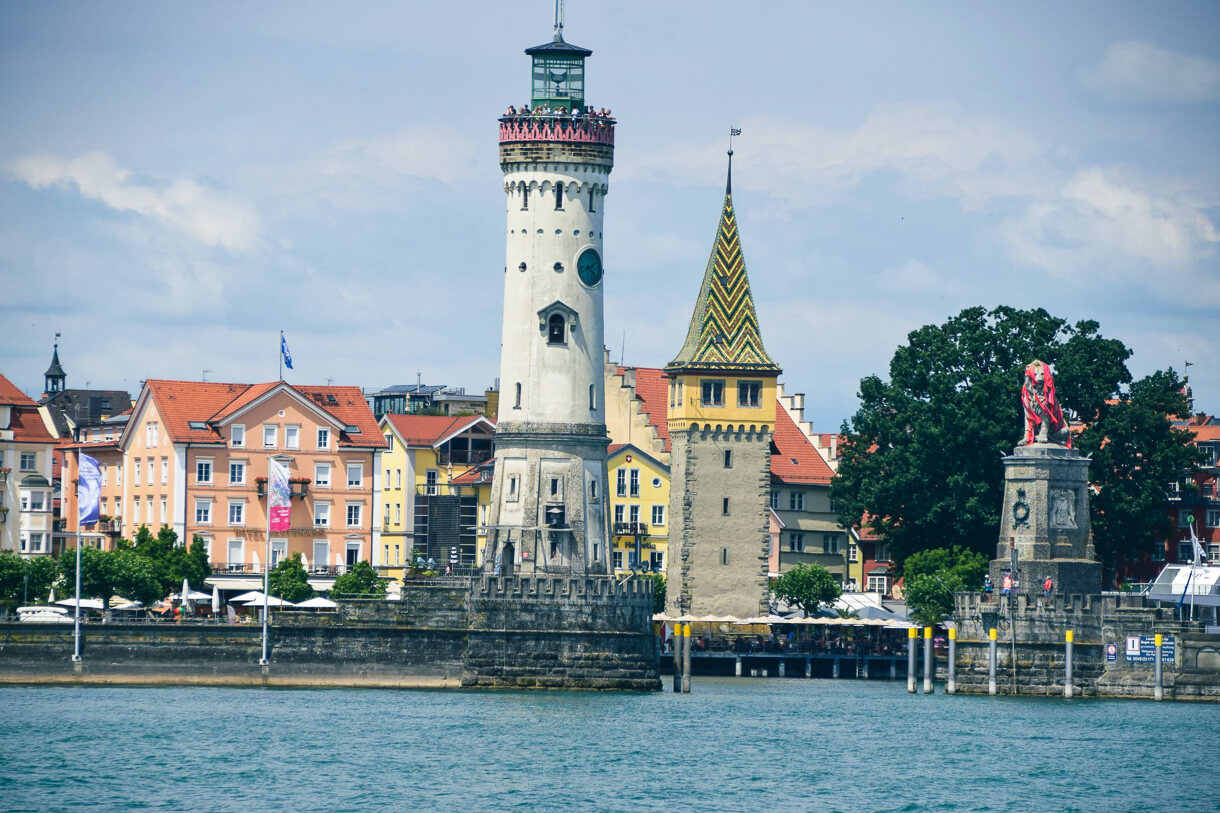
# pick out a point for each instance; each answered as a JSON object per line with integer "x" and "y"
{"x": 1142, "y": 649}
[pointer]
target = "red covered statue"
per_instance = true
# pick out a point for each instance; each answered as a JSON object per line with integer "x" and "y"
{"x": 1043, "y": 416}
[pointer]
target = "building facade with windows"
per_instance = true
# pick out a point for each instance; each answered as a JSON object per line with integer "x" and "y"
{"x": 805, "y": 530}
{"x": 425, "y": 511}
{"x": 193, "y": 456}
{"x": 27, "y": 444}
{"x": 639, "y": 510}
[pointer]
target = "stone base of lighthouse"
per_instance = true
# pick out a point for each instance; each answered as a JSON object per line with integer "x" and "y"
{"x": 549, "y": 495}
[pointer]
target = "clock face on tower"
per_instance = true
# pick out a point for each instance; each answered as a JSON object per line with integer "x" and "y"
{"x": 589, "y": 267}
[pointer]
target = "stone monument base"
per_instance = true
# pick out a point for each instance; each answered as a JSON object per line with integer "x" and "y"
{"x": 1070, "y": 576}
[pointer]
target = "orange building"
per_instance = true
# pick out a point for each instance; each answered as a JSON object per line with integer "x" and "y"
{"x": 194, "y": 456}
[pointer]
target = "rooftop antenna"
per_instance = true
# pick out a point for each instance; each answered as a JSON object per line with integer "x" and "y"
{"x": 419, "y": 380}
{"x": 330, "y": 381}
{"x": 558, "y": 20}
{"x": 205, "y": 375}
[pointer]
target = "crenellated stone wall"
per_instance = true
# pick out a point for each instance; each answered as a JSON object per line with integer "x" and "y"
{"x": 570, "y": 633}
{"x": 1038, "y": 626}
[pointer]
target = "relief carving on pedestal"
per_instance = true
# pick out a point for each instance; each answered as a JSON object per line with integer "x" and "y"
{"x": 1063, "y": 508}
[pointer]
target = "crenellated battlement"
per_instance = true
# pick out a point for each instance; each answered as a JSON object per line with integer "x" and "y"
{"x": 555, "y": 128}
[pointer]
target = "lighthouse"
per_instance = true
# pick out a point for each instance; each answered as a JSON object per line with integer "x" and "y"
{"x": 548, "y": 502}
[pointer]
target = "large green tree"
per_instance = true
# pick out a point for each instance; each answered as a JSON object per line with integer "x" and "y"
{"x": 965, "y": 566}
{"x": 807, "y": 587}
{"x": 98, "y": 574}
{"x": 25, "y": 580}
{"x": 361, "y": 580}
{"x": 289, "y": 580}
{"x": 921, "y": 465}
{"x": 170, "y": 561}
{"x": 135, "y": 577}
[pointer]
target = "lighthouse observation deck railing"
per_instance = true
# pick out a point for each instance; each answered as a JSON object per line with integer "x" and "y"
{"x": 573, "y": 129}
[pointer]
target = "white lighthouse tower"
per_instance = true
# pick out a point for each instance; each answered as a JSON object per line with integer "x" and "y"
{"x": 547, "y": 512}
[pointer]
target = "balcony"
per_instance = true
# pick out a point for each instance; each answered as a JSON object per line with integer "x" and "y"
{"x": 4, "y": 473}
{"x": 299, "y": 486}
{"x": 631, "y": 529}
{"x": 248, "y": 568}
{"x": 462, "y": 457}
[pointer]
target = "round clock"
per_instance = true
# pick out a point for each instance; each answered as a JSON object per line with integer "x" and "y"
{"x": 589, "y": 267}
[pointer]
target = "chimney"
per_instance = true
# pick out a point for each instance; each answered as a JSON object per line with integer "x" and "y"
{"x": 834, "y": 447}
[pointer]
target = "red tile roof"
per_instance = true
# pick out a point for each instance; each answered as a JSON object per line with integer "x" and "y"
{"x": 794, "y": 458}
{"x": 479, "y": 475}
{"x": 425, "y": 430}
{"x": 652, "y": 387}
{"x": 28, "y": 426}
{"x": 11, "y": 395}
{"x": 181, "y": 402}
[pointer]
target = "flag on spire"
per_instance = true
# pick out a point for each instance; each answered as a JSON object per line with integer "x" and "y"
{"x": 284, "y": 351}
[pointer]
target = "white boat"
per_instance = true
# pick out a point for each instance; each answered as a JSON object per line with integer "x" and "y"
{"x": 43, "y": 614}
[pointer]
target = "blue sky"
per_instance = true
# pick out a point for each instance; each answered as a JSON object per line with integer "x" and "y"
{"x": 178, "y": 182}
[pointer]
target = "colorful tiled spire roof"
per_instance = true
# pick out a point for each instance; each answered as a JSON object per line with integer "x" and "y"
{"x": 724, "y": 333}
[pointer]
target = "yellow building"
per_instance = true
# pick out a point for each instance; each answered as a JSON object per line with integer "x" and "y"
{"x": 428, "y": 510}
{"x": 639, "y": 509}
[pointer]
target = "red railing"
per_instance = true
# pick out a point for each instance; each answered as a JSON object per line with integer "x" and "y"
{"x": 580, "y": 130}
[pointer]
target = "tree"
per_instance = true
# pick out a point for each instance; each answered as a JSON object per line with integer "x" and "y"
{"x": 921, "y": 465}
{"x": 659, "y": 588}
{"x": 1136, "y": 453}
{"x": 97, "y": 574}
{"x": 42, "y": 573}
{"x": 930, "y": 596}
{"x": 361, "y": 580}
{"x": 12, "y": 578}
{"x": 170, "y": 561}
{"x": 807, "y": 587}
{"x": 967, "y": 567}
{"x": 289, "y": 580}
{"x": 134, "y": 577}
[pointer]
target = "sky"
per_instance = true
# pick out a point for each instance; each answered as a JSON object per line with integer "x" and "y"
{"x": 179, "y": 182}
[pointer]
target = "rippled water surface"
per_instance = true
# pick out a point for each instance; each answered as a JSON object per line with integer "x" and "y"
{"x": 733, "y": 745}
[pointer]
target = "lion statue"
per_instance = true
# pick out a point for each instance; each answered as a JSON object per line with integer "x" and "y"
{"x": 1044, "y": 421}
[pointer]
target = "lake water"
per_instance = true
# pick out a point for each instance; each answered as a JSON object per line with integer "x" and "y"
{"x": 732, "y": 745}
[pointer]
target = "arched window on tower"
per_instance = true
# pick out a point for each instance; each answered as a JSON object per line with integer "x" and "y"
{"x": 517, "y": 400}
{"x": 559, "y": 195}
{"x": 591, "y": 209}
{"x": 556, "y": 330}
{"x": 525, "y": 195}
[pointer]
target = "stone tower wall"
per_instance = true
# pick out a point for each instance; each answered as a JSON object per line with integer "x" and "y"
{"x": 701, "y": 535}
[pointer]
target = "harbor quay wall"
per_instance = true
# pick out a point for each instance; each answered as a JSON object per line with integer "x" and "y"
{"x": 1038, "y": 625}
{"x": 502, "y": 633}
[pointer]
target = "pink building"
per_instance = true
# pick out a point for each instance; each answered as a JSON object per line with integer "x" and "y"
{"x": 194, "y": 456}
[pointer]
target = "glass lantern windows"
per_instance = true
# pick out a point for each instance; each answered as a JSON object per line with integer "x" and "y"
{"x": 558, "y": 81}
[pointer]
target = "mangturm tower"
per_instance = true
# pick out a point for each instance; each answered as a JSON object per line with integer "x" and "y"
{"x": 721, "y": 417}
{"x": 547, "y": 512}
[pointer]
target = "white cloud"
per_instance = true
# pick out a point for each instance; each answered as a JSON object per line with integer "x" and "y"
{"x": 935, "y": 150}
{"x": 1100, "y": 222}
{"x": 1142, "y": 72}
{"x": 183, "y": 203}
{"x": 915, "y": 277}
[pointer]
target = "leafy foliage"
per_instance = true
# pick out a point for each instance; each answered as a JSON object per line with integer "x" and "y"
{"x": 807, "y": 587}
{"x": 930, "y": 595}
{"x": 659, "y": 588}
{"x": 966, "y": 566}
{"x": 98, "y": 574}
{"x": 171, "y": 562}
{"x": 1136, "y": 453}
{"x": 361, "y": 580}
{"x": 289, "y": 580}
{"x": 134, "y": 577}
{"x": 25, "y": 579}
{"x": 922, "y": 462}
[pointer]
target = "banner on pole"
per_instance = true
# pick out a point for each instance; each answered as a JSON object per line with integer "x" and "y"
{"x": 88, "y": 490}
{"x": 279, "y": 496}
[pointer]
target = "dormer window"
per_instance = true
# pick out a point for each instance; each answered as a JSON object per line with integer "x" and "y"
{"x": 556, "y": 330}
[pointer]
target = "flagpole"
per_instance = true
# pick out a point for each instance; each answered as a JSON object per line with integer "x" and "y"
{"x": 76, "y": 621}
{"x": 281, "y": 355}
{"x": 267, "y": 559}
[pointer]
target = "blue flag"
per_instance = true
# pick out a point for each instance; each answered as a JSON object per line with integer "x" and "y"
{"x": 284, "y": 352}
{"x": 88, "y": 490}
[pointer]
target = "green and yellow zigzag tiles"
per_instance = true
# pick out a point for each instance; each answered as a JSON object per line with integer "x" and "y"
{"x": 724, "y": 333}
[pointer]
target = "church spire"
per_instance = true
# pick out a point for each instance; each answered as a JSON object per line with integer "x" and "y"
{"x": 724, "y": 333}
{"x": 55, "y": 375}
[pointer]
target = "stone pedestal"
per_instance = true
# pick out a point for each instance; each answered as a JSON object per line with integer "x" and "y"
{"x": 1046, "y": 518}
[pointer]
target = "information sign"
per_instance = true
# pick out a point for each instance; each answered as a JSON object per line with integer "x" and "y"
{"x": 1142, "y": 649}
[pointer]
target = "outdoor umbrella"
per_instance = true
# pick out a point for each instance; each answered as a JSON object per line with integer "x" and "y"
{"x": 317, "y": 602}
{"x": 271, "y": 601}
{"x": 85, "y": 603}
{"x": 215, "y": 599}
{"x": 244, "y": 597}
